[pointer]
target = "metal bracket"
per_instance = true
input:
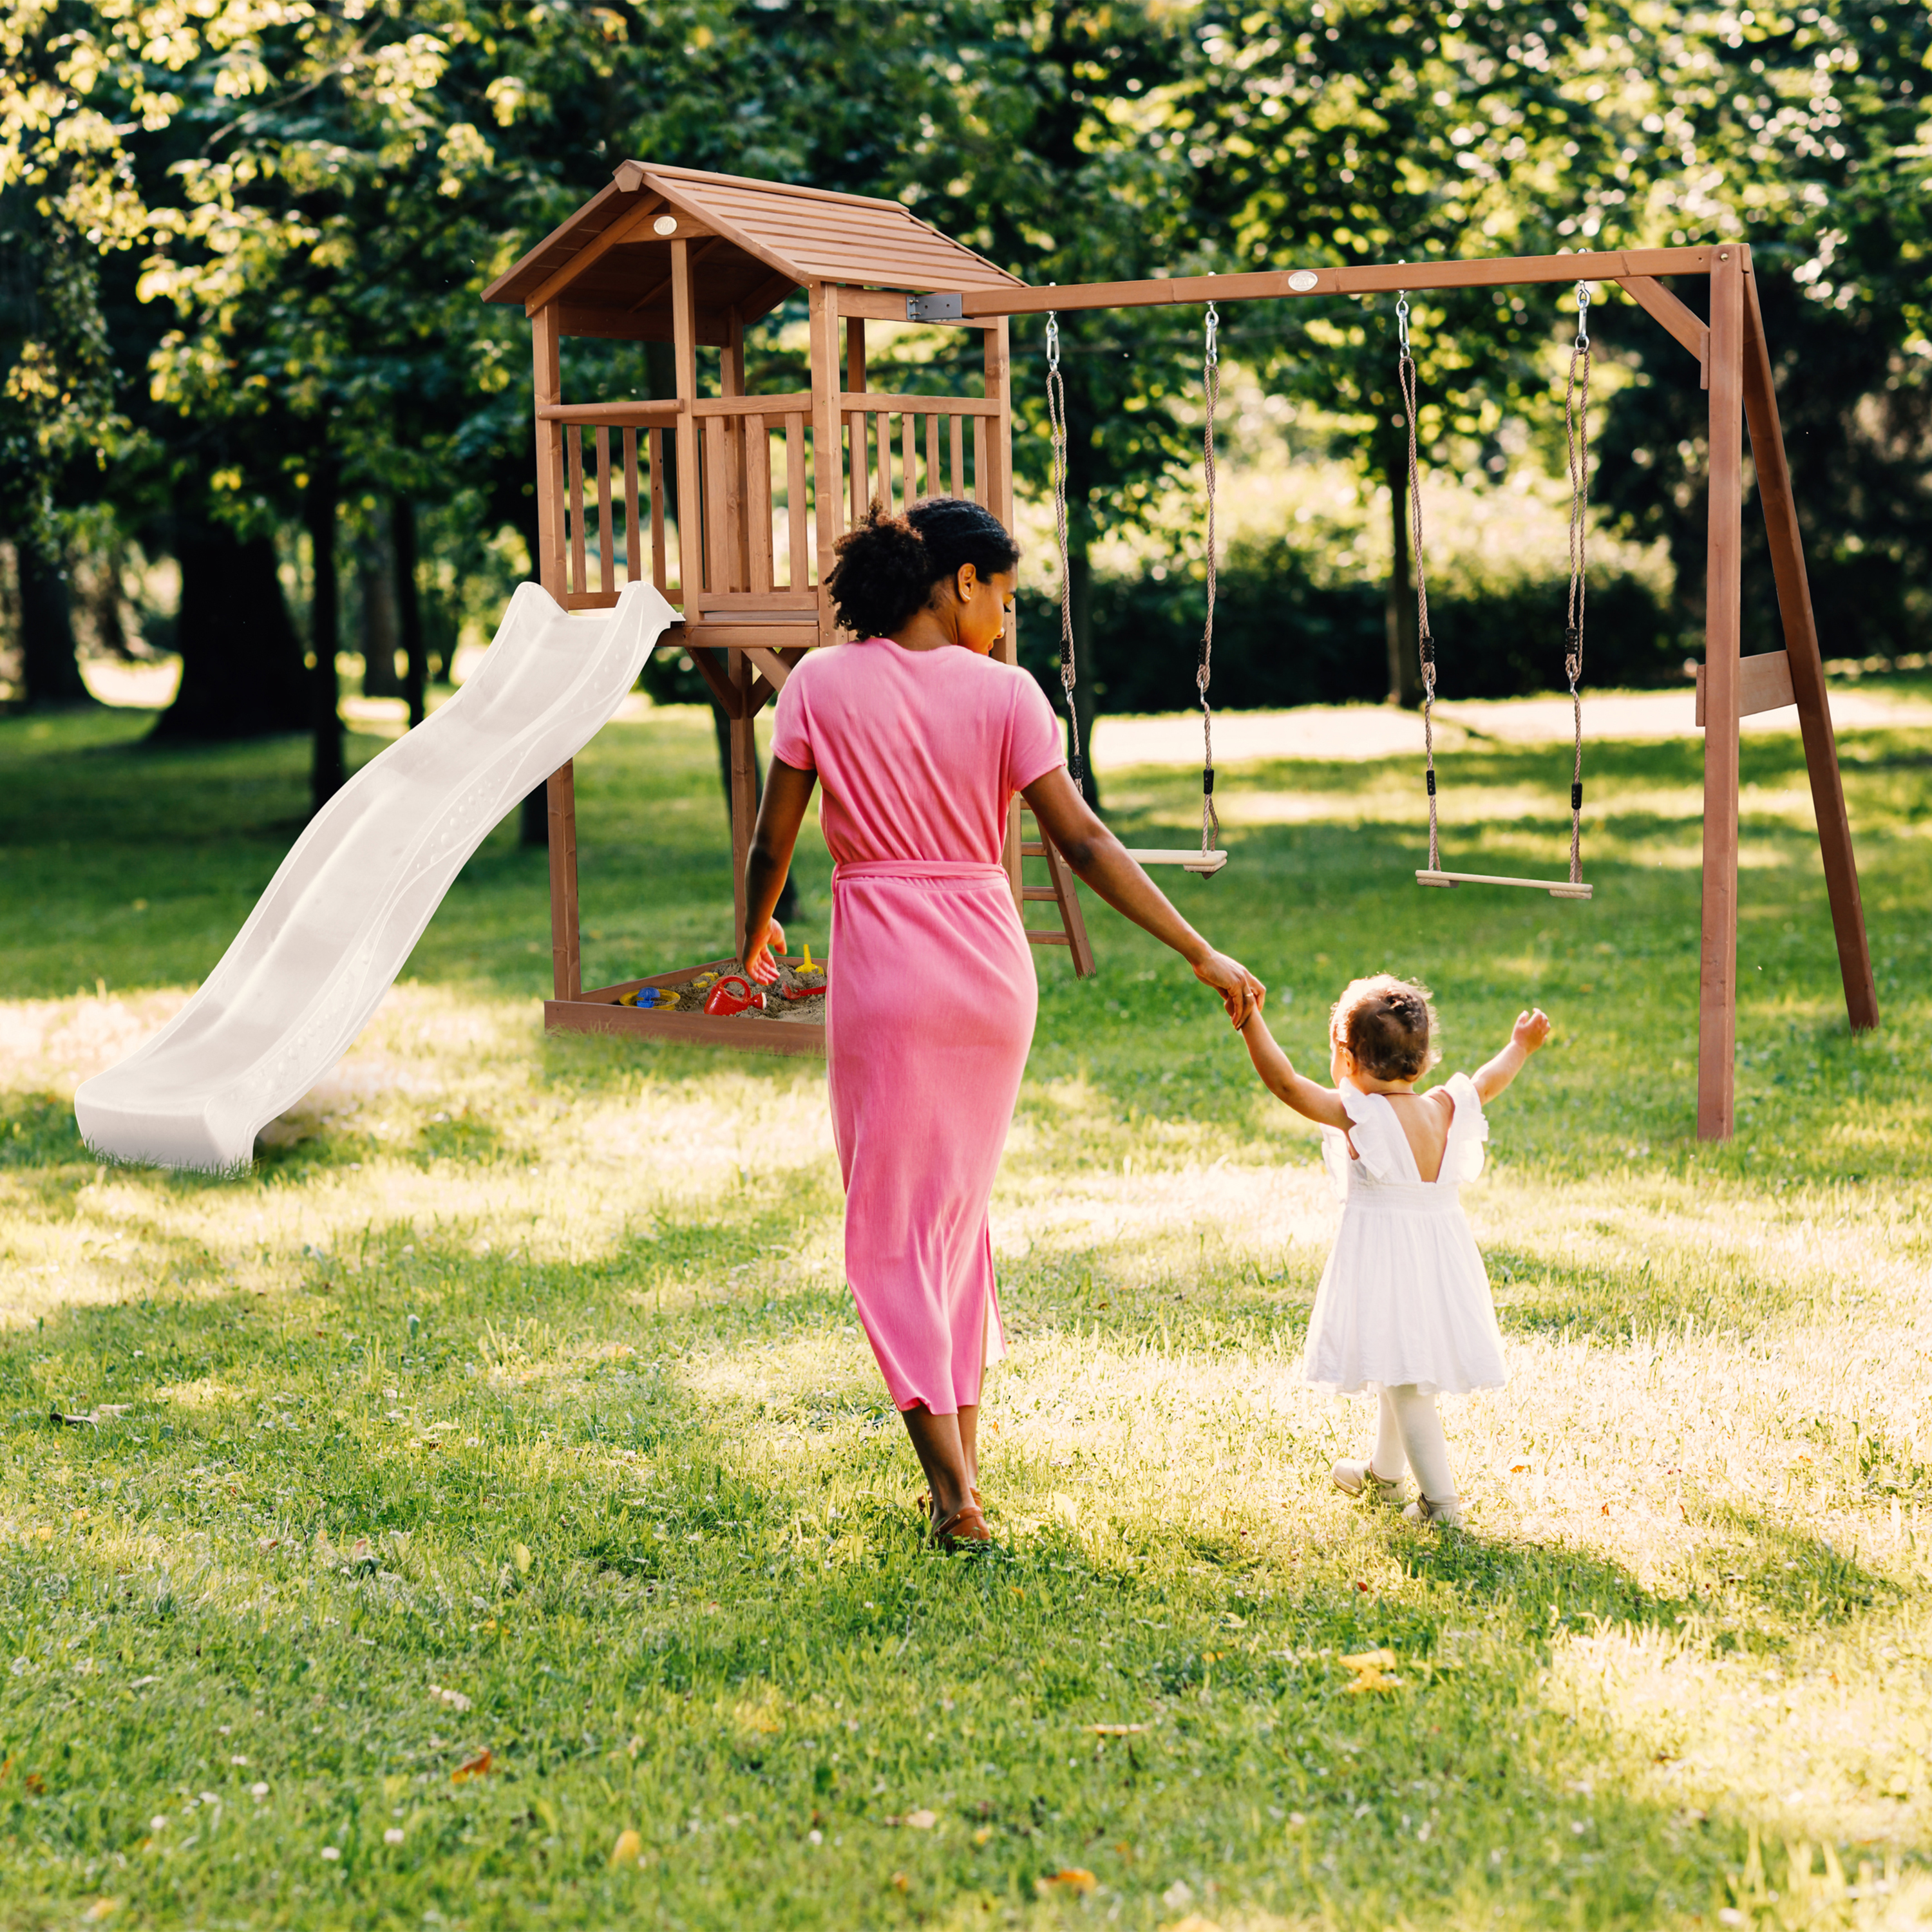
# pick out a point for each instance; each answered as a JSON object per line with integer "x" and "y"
{"x": 936, "y": 308}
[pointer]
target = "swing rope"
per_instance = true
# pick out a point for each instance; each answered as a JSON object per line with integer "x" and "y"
{"x": 1425, "y": 643}
{"x": 1577, "y": 430}
{"x": 1056, "y": 419}
{"x": 1210, "y": 380}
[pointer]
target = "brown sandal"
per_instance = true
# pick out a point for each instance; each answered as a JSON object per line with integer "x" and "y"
{"x": 965, "y": 1526}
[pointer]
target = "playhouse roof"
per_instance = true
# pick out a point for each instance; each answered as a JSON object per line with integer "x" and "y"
{"x": 609, "y": 265}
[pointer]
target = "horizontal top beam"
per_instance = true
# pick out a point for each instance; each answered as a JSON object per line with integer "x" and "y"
{"x": 1377, "y": 278}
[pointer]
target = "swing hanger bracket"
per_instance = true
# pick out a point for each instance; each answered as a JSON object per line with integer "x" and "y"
{"x": 946, "y": 307}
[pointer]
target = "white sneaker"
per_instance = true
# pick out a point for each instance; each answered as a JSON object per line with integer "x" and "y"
{"x": 1449, "y": 1510}
{"x": 1353, "y": 1478}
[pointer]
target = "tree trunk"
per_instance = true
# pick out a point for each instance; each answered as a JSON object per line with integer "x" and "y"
{"x": 326, "y": 771}
{"x": 50, "y": 672}
{"x": 1405, "y": 670}
{"x": 242, "y": 660}
{"x": 408, "y": 609}
{"x": 376, "y": 593}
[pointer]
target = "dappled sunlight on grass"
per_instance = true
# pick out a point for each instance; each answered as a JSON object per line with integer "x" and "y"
{"x": 514, "y": 1403}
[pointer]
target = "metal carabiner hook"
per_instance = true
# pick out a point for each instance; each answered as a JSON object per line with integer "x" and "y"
{"x": 1402, "y": 319}
{"x": 1583, "y": 315}
{"x": 1052, "y": 339}
{"x": 1214, "y": 328}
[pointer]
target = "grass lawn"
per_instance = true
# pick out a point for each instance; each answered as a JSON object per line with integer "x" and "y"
{"x": 494, "y": 1517}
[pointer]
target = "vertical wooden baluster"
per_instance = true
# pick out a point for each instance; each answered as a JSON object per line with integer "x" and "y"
{"x": 580, "y": 578}
{"x": 935, "y": 482}
{"x": 606, "y": 558}
{"x": 908, "y": 459}
{"x": 758, "y": 501}
{"x": 801, "y": 571}
{"x": 738, "y": 478}
{"x": 718, "y": 522}
{"x": 660, "y": 566}
{"x": 634, "y": 550}
{"x": 978, "y": 492}
{"x": 958, "y": 435}
{"x": 883, "y": 494}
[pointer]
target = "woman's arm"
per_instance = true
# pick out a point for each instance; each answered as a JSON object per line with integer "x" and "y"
{"x": 781, "y": 812}
{"x": 1321, "y": 1104}
{"x": 1099, "y": 858}
{"x": 1530, "y": 1031}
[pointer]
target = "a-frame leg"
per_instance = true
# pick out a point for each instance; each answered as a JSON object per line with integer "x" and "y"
{"x": 1807, "y": 669}
{"x": 565, "y": 943}
{"x": 1723, "y": 590}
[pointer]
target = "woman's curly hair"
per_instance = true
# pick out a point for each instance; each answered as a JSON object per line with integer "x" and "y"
{"x": 1388, "y": 1024}
{"x": 887, "y": 565}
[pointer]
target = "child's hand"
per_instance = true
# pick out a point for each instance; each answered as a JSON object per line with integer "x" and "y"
{"x": 756, "y": 959}
{"x": 1531, "y": 1031}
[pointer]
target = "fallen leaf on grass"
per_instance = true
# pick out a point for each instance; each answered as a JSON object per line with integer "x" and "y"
{"x": 478, "y": 1766}
{"x": 920, "y": 1820}
{"x": 629, "y": 1845}
{"x": 900, "y": 1882}
{"x": 1370, "y": 1668}
{"x": 455, "y": 1699}
{"x": 1073, "y": 1878}
{"x": 101, "y": 1908}
{"x": 1117, "y": 1730}
{"x": 1194, "y": 1922}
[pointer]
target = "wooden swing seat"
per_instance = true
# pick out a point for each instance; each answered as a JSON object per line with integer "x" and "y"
{"x": 1206, "y": 864}
{"x": 1557, "y": 889}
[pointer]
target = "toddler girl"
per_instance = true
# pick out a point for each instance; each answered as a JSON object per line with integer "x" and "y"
{"x": 1404, "y": 1302}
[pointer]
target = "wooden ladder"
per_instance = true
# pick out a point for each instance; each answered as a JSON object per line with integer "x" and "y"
{"x": 1071, "y": 932}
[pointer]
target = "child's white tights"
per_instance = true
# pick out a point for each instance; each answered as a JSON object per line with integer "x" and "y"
{"x": 1409, "y": 1434}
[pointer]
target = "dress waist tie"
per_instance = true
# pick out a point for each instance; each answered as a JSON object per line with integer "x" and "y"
{"x": 1401, "y": 1197}
{"x": 935, "y": 871}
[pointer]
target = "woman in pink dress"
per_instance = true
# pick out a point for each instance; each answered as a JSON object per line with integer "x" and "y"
{"x": 921, "y": 738}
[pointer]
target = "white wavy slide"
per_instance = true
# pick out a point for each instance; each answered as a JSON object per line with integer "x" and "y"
{"x": 347, "y": 905}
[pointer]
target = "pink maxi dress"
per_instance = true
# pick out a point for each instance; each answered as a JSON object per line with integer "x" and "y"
{"x": 931, "y": 1000}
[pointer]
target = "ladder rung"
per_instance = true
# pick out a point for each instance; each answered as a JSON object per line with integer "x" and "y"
{"x": 1028, "y": 850}
{"x": 1047, "y": 938}
{"x": 1039, "y": 892}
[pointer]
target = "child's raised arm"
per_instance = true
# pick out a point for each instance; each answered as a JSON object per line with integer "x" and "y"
{"x": 1322, "y": 1104}
{"x": 1531, "y": 1031}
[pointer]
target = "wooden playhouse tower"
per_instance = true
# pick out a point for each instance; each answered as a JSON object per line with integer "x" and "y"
{"x": 732, "y": 503}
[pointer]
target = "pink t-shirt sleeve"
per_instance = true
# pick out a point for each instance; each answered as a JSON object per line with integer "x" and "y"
{"x": 791, "y": 735}
{"x": 1033, "y": 743}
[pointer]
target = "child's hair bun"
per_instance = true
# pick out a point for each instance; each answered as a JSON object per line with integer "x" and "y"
{"x": 887, "y": 564}
{"x": 1389, "y": 1026}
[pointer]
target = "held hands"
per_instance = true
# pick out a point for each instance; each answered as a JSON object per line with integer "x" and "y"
{"x": 1531, "y": 1031}
{"x": 1241, "y": 993}
{"x": 757, "y": 961}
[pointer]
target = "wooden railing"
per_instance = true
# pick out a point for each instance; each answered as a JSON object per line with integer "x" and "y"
{"x": 758, "y": 487}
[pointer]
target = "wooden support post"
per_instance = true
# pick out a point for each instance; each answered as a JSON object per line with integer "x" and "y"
{"x": 993, "y": 450}
{"x": 565, "y": 952}
{"x": 826, "y": 478}
{"x": 744, "y": 786}
{"x": 1806, "y": 665}
{"x": 1718, "y": 964}
{"x": 560, "y": 793}
{"x": 549, "y": 386}
{"x": 690, "y": 483}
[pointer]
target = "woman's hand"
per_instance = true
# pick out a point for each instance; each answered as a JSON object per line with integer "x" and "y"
{"x": 1241, "y": 993}
{"x": 756, "y": 959}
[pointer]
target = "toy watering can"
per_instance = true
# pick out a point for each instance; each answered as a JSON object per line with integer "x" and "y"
{"x": 733, "y": 994}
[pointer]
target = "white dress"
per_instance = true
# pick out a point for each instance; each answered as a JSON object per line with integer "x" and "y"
{"x": 1405, "y": 1297}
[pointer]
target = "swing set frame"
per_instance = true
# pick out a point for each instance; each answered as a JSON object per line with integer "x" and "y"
{"x": 1735, "y": 367}
{"x": 731, "y": 503}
